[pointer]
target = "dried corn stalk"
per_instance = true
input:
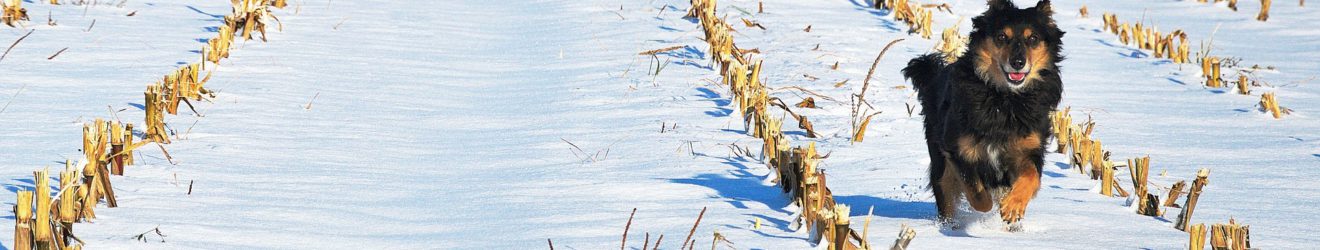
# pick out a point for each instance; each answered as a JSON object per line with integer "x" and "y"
{"x": 23, "y": 221}
{"x": 1111, "y": 22}
{"x": 1097, "y": 158}
{"x": 218, "y": 48}
{"x": 121, "y": 147}
{"x": 1183, "y": 49}
{"x": 1231, "y": 236}
{"x": 1124, "y": 34}
{"x": 68, "y": 203}
{"x": 1189, "y": 206}
{"x": 95, "y": 145}
{"x": 155, "y": 114}
{"x": 13, "y": 12}
{"x": 905, "y": 236}
{"x": 839, "y": 239}
{"x": 248, "y": 16}
{"x": 1107, "y": 179}
{"x": 1197, "y": 233}
{"x": 1061, "y": 122}
{"x": 952, "y": 44}
{"x": 1269, "y": 104}
{"x": 923, "y": 22}
{"x": 41, "y": 231}
{"x": 1210, "y": 68}
{"x": 1147, "y": 204}
{"x": 1174, "y": 193}
{"x": 1243, "y": 85}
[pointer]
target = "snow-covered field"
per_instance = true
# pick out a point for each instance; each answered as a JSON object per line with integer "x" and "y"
{"x": 462, "y": 125}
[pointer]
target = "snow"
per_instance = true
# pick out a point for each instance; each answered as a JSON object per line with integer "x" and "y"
{"x": 447, "y": 124}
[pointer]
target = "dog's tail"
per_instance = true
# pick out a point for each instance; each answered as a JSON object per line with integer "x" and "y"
{"x": 923, "y": 72}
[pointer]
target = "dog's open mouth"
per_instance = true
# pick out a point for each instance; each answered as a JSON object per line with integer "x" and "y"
{"x": 1016, "y": 78}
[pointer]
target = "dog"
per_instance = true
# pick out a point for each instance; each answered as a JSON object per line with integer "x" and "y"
{"x": 987, "y": 113}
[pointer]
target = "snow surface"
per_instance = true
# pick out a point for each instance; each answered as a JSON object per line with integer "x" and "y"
{"x": 446, "y": 124}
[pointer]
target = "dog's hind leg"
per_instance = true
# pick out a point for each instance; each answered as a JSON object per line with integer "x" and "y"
{"x": 979, "y": 197}
{"x": 947, "y": 185}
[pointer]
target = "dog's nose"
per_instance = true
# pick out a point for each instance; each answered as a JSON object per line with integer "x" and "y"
{"x": 1018, "y": 63}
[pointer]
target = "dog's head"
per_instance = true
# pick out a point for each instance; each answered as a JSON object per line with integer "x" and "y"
{"x": 1014, "y": 47}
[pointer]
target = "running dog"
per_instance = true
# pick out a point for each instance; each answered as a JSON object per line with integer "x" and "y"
{"x": 987, "y": 113}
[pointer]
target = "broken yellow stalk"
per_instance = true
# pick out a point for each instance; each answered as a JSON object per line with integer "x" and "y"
{"x": 95, "y": 172}
{"x": 42, "y": 231}
{"x": 1111, "y": 22}
{"x": 1107, "y": 179}
{"x": 1081, "y": 147}
{"x": 155, "y": 117}
{"x": 1124, "y": 34}
{"x": 13, "y": 12}
{"x": 218, "y": 48}
{"x": 1197, "y": 233}
{"x": 68, "y": 212}
{"x": 1210, "y": 68}
{"x": 1174, "y": 192}
{"x": 23, "y": 221}
{"x": 1147, "y": 204}
{"x": 1061, "y": 123}
{"x": 1083, "y": 12}
{"x": 1270, "y": 104}
{"x": 248, "y": 15}
{"x": 1243, "y": 86}
{"x": 840, "y": 227}
{"x": 121, "y": 147}
{"x": 1230, "y": 236}
{"x": 1097, "y": 158}
{"x": 924, "y": 19}
{"x": 952, "y": 44}
{"x": 1189, "y": 206}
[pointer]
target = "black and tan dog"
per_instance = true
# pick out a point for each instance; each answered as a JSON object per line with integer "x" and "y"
{"x": 987, "y": 114}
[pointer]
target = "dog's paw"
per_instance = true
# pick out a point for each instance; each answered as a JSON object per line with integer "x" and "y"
{"x": 1011, "y": 210}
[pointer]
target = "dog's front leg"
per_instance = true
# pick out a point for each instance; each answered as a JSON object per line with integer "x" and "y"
{"x": 1026, "y": 162}
{"x": 1014, "y": 204}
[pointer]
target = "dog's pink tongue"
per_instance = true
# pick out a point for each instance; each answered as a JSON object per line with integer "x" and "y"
{"x": 1017, "y": 76}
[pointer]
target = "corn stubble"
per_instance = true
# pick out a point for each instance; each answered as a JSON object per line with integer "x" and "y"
{"x": 1172, "y": 46}
{"x": 795, "y": 167}
{"x": 249, "y": 17}
{"x": 1270, "y": 104}
{"x": 952, "y": 44}
{"x": 917, "y": 17}
{"x": 1231, "y": 236}
{"x": 13, "y": 12}
{"x": 43, "y": 223}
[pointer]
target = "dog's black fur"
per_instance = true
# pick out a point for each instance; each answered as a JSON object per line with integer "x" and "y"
{"x": 983, "y": 127}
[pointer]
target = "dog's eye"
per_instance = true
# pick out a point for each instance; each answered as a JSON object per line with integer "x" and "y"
{"x": 1032, "y": 39}
{"x": 1002, "y": 38}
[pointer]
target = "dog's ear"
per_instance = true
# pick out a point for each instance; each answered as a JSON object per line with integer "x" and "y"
{"x": 1000, "y": 5}
{"x": 1044, "y": 7}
